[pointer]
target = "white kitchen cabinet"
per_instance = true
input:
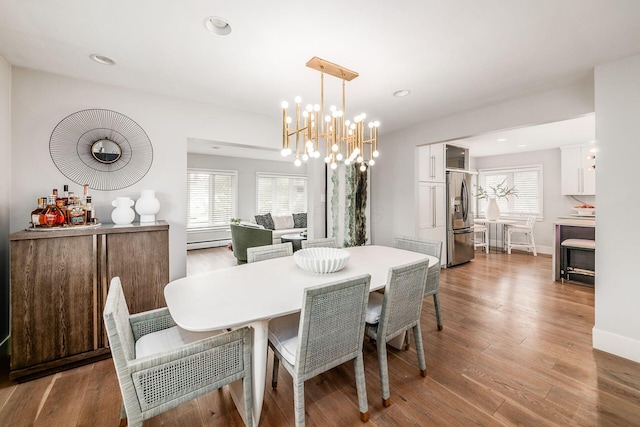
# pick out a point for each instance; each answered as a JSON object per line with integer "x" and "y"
{"x": 431, "y": 163}
{"x": 578, "y": 175}
{"x": 431, "y": 212}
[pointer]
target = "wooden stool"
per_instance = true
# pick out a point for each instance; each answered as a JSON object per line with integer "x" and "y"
{"x": 566, "y": 267}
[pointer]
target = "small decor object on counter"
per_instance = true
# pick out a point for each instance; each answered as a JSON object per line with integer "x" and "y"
{"x": 122, "y": 214}
{"x": 585, "y": 210}
{"x": 321, "y": 260}
{"x": 147, "y": 206}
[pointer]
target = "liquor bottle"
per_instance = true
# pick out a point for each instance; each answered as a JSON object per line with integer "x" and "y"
{"x": 54, "y": 217}
{"x": 85, "y": 193}
{"x": 75, "y": 214}
{"x": 89, "y": 213}
{"x": 38, "y": 219}
{"x": 65, "y": 194}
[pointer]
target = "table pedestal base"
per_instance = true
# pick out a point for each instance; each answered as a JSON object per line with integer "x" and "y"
{"x": 260, "y": 348}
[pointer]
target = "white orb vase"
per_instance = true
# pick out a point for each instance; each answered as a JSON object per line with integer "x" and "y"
{"x": 493, "y": 211}
{"x": 122, "y": 214}
{"x": 147, "y": 206}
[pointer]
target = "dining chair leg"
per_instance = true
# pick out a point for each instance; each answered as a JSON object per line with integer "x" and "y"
{"x": 384, "y": 372}
{"x": 298, "y": 402}
{"x": 417, "y": 337}
{"x": 436, "y": 303}
{"x": 276, "y": 365}
{"x": 123, "y": 417}
{"x": 361, "y": 387}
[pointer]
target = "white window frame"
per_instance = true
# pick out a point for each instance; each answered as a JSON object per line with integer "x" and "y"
{"x": 278, "y": 175}
{"x": 482, "y": 173}
{"x": 234, "y": 200}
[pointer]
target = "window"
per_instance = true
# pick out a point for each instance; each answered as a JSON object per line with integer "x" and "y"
{"x": 281, "y": 194}
{"x": 527, "y": 181}
{"x": 212, "y": 197}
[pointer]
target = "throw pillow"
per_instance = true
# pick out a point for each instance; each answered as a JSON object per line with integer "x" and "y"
{"x": 300, "y": 220}
{"x": 283, "y": 222}
{"x": 266, "y": 221}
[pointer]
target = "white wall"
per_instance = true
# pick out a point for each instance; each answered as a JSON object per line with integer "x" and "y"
{"x": 617, "y": 328}
{"x": 41, "y": 100}
{"x": 5, "y": 195}
{"x": 393, "y": 177}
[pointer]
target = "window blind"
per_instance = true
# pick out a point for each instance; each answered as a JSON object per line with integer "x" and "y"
{"x": 527, "y": 181}
{"x": 212, "y": 198}
{"x": 281, "y": 194}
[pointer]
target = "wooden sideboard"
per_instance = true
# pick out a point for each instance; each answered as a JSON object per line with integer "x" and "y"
{"x": 59, "y": 283}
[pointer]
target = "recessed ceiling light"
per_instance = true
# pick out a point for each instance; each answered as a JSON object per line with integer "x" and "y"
{"x": 522, "y": 145}
{"x": 217, "y": 25}
{"x": 401, "y": 93}
{"x": 101, "y": 59}
{"x": 501, "y": 139}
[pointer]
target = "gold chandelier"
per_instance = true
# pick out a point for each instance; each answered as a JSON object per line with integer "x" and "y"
{"x": 344, "y": 140}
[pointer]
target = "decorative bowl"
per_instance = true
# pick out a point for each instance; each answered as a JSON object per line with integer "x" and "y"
{"x": 321, "y": 260}
{"x": 585, "y": 211}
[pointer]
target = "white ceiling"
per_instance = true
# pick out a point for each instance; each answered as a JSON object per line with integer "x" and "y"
{"x": 453, "y": 55}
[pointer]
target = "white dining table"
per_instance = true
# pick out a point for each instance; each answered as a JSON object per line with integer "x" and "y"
{"x": 252, "y": 294}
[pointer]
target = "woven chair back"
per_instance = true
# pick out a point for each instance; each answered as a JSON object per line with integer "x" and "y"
{"x": 332, "y": 324}
{"x": 402, "y": 301}
{"x": 262, "y": 253}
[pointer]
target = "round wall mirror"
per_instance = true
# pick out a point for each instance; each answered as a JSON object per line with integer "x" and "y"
{"x": 102, "y": 148}
{"x": 106, "y": 151}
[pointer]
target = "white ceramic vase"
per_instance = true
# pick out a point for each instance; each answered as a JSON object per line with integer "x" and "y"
{"x": 122, "y": 214}
{"x": 147, "y": 206}
{"x": 493, "y": 211}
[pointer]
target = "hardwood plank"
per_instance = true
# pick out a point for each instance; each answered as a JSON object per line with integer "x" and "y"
{"x": 515, "y": 350}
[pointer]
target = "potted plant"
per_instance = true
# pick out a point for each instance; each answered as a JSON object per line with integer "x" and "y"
{"x": 499, "y": 191}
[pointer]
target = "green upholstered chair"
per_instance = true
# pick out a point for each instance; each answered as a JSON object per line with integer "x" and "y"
{"x": 244, "y": 236}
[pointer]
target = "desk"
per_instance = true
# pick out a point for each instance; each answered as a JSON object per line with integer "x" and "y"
{"x": 251, "y": 294}
{"x": 495, "y": 222}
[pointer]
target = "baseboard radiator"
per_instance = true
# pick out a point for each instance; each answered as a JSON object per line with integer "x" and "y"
{"x": 208, "y": 238}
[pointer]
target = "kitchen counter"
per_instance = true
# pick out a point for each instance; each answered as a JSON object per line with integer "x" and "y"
{"x": 570, "y": 227}
{"x": 586, "y": 221}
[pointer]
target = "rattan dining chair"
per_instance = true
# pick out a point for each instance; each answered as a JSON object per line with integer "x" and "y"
{"x": 432, "y": 284}
{"x": 325, "y": 242}
{"x": 326, "y": 333}
{"x": 160, "y": 366}
{"x": 396, "y": 312}
{"x": 262, "y": 253}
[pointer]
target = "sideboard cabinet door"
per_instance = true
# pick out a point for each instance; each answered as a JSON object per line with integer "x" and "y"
{"x": 53, "y": 289}
{"x": 141, "y": 260}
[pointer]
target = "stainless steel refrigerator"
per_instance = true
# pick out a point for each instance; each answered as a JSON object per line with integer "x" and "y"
{"x": 459, "y": 218}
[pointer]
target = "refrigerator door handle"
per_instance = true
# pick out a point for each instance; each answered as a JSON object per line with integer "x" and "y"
{"x": 464, "y": 193}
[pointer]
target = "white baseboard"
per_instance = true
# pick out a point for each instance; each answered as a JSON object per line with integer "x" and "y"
{"x": 209, "y": 244}
{"x": 616, "y": 344}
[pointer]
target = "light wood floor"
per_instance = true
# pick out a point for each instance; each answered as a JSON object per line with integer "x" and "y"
{"x": 515, "y": 350}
